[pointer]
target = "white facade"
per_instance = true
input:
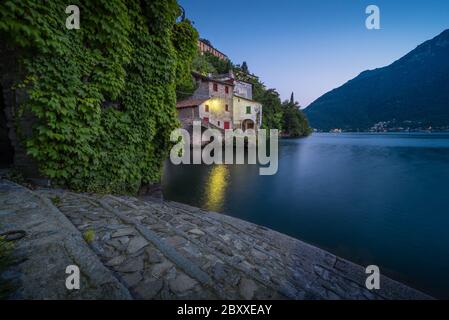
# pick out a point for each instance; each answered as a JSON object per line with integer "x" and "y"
{"x": 247, "y": 113}
{"x": 243, "y": 89}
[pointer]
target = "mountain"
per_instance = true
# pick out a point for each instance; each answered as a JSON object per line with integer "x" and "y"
{"x": 413, "y": 92}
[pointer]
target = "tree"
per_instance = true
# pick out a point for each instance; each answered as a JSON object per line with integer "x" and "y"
{"x": 202, "y": 65}
{"x": 294, "y": 122}
{"x": 245, "y": 67}
{"x": 102, "y": 98}
{"x": 272, "y": 109}
{"x": 292, "y": 98}
{"x": 221, "y": 66}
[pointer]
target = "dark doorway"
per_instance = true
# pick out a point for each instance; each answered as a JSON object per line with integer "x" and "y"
{"x": 6, "y": 150}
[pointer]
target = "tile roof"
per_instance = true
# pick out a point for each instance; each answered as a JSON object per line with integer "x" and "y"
{"x": 189, "y": 103}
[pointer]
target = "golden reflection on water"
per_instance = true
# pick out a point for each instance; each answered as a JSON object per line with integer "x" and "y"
{"x": 216, "y": 188}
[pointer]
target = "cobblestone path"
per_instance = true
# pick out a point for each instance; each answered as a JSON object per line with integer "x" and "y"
{"x": 167, "y": 250}
{"x": 45, "y": 243}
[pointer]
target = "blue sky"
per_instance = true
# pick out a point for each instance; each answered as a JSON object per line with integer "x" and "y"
{"x": 313, "y": 46}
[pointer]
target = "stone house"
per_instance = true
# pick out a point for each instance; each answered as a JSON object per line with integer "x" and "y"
{"x": 222, "y": 102}
{"x": 211, "y": 103}
{"x": 247, "y": 113}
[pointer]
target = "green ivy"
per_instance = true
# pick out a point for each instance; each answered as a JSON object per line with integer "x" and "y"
{"x": 104, "y": 95}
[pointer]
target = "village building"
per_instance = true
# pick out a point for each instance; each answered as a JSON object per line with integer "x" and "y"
{"x": 205, "y": 46}
{"x": 211, "y": 103}
{"x": 247, "y": 113}
{"x": 221, "y": 102}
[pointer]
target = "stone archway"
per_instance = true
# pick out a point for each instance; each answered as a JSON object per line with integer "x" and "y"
{"x": 6, "y": 149}
{"x": 248, "y": 124}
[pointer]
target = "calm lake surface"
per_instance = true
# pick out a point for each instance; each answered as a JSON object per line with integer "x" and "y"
{"x": 378, "y": 199}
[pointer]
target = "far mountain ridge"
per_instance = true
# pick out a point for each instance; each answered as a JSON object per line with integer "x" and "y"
{"x": 412, "y": 92}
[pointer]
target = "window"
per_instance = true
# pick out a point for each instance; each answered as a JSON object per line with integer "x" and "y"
{"x": 248, "y": 110}
{"x": 206, "y": 108}
{"x": 227, "y": 90}
{"x": 218, "y": 123}
{"x": 215, "y": 87}
{"x": 227, "y": 108}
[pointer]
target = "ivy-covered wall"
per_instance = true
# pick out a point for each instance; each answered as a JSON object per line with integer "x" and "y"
{"x": 103, "y": 96}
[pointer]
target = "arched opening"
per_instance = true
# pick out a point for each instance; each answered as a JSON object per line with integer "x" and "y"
{"x": 248, "y": 124}
{"x": 7, "y": 151}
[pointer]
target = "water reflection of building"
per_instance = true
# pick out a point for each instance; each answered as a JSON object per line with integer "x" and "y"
{"x": 215, "y": 191}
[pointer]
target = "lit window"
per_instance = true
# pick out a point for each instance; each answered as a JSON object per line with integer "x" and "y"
{"x": 248, "y": 110}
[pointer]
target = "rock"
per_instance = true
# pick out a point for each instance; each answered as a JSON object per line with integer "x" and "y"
{"x": 288, "y": 290}
{"x": 132, "y": 279}
{"x": 123, "y": 232}
{"x": 265, "y": 274}
{"x": 6, "y": 212}
{"x": 131, "y": 265}
{"x": 247, "y": 266}
{"x": 322, "y": 272}
{"x": 219, "y": 271}
{"x": 136, "y": 244}
{"x": 149, "y": 289}
{"x": 160, "y": 269}
{"x": 153, "y": 255}
{"x": 182, "y": 283}
{"x": 176, "y": 241}
{"x": 225, "y": 237}
{"x": 106, "y": 236}
{"x": 193, "y": 251}
{"x": 116, "y": 244}
{"x": 14, "y": 235}
{"x": 247, "y": 288}
{"x": 123, "y": 240}
{"x": 223, "y": 249}
{"x": 115, "y": 261}
{"x": 237, "y": 259}
{"x": 238, "y": 244}
{"x": 232, "y": 279}
{"x": 196, "y": 232}
{"x": 258, "y": 255}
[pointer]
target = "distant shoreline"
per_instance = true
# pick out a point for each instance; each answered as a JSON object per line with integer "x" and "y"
{"x": 386, "y": 132}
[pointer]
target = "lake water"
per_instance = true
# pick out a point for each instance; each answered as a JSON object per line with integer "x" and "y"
{"x": 378, "y": 199}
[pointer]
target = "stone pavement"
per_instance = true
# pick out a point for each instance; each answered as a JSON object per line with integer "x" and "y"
{"x": 46, "y": 243}
{"x": 166, "y": 250}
